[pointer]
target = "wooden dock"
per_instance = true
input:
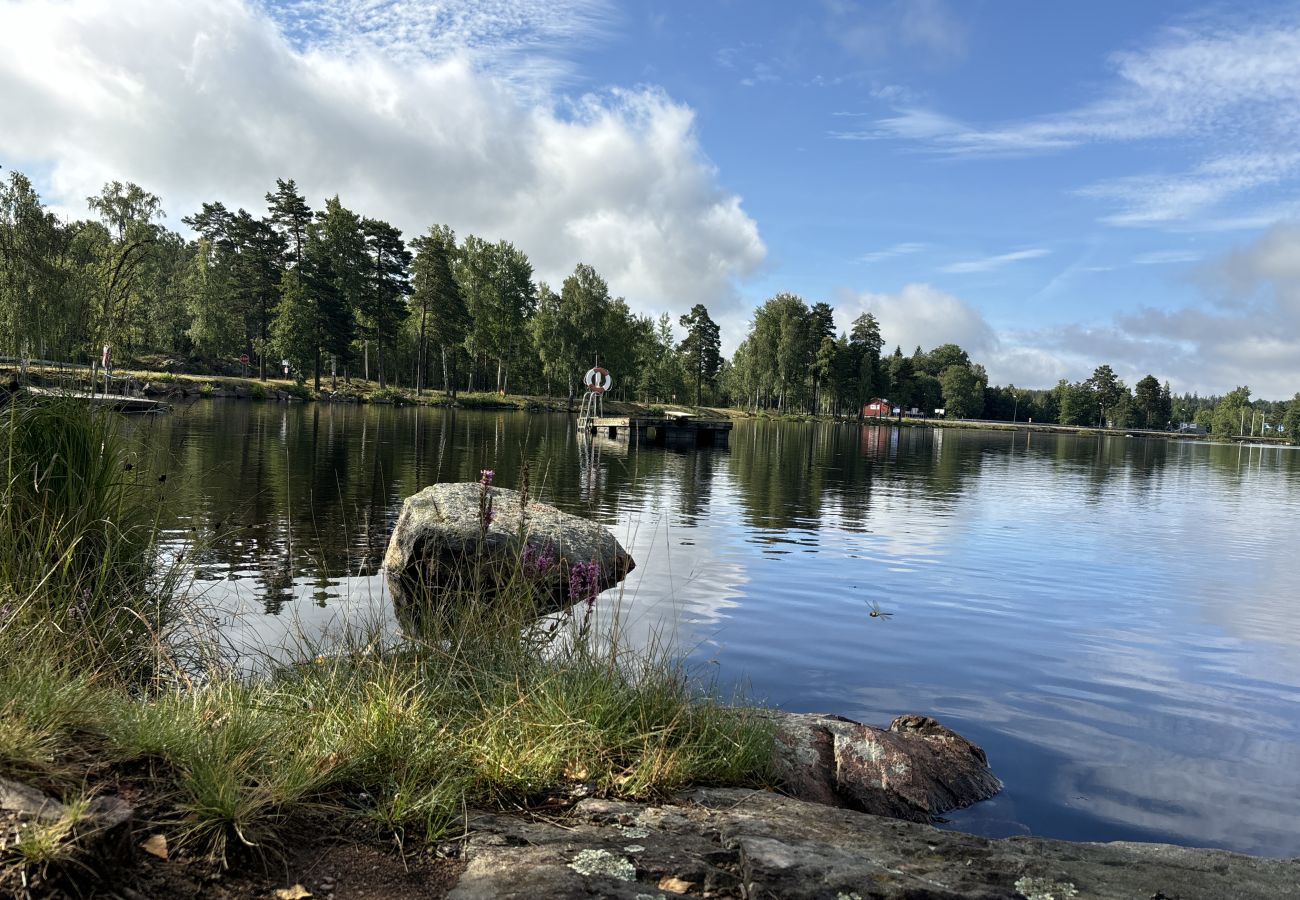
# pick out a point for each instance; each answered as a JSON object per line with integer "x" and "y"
{"x": 669, "y": 429}
{"x": 119, "y": 402}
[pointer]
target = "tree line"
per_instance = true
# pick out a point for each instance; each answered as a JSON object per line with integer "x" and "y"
{"x": 330, "y": 291}
{"x": 341, "y": 295}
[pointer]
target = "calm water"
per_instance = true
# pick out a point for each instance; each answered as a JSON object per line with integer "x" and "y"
{"x": 1114, "y": 620}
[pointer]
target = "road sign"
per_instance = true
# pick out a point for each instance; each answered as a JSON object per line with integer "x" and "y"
{"x": 243, "y": 358}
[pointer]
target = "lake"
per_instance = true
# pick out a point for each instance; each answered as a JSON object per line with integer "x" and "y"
{"x": 1114, "y": 620}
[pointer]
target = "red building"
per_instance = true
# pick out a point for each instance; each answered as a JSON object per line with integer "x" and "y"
{"x": 877, "y": 409}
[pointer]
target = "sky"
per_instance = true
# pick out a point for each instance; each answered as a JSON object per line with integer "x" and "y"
{"x": 1053, "y": 186}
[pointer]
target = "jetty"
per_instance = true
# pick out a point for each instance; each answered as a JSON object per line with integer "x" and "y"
{"x": 119, "y": 402}
{"x": 673, "y": 428}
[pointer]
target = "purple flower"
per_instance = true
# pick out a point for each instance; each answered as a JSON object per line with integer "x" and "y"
{"x": 537, "y": 561}
{"x": 486, "y": 475}
{"x": 584, "y": 582}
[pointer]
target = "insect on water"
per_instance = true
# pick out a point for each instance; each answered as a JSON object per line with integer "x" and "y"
{"x": 877, "y": 612}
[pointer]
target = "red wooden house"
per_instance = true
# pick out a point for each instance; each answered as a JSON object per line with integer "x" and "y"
{"x": 878, "y": 408}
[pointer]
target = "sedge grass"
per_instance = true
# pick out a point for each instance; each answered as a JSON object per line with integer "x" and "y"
{"x": 484, "y": 705}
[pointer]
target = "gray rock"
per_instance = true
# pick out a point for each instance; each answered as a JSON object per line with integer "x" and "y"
{"x": 101, "y": 834}
{"x": 440, "y": 542}
{"x": 753, "y": 844}
{"x": 915, "y": 770}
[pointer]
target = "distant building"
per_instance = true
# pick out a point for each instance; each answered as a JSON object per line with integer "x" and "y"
{"x": 1190, "y": 428}
{"x": 878, "y": 408}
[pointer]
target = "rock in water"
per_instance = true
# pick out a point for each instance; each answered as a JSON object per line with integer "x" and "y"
{"x": 441, "y": 544}
{"x": 917, "y": 770}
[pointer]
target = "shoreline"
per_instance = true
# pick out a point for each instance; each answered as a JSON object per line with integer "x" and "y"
{"x": 156, "y": 384}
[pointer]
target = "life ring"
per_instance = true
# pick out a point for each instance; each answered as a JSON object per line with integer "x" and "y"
{"x": 597, "y": 380}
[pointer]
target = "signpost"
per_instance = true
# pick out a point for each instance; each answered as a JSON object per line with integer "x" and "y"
{"x": 243, "y": 358}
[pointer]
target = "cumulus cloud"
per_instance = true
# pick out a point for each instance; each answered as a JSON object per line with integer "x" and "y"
{"x": 213, "y": 99}
{"x": 1243, "y": 331}
{"x": 920, "y": 315}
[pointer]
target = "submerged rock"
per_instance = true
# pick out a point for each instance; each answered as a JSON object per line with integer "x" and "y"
{"x": 754, "y": 844}
{"x": 917, "y": 770}
{"x": 442, "y": 543}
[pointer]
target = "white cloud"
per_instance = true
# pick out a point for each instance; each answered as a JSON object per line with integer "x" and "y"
{"x": 1160, "y": 199}
{"x": 874, "y": 31}
{"x": 1226, "y": 92}
{"x": 208, "y": 100}
{"x": 1166, "y": 257}
{"x": 921, "y": 315}
{"x": 890, "y": 252}
{"x": 1242, "y": 332}
{"x": 989, "y": 263}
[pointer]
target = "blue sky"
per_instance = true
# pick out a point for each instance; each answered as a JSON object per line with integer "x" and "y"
{"x": 1052, "y": 185}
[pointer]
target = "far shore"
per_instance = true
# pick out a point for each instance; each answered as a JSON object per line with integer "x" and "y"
{"x": 187, "y": 387}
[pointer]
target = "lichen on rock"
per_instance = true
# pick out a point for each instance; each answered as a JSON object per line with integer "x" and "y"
{"x": 602, "y": 862}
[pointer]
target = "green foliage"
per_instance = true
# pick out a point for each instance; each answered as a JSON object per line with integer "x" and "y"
{"x": 701, "y": 347}
{"x": 443, "y": 317}
{"x": 963, "y": 391}
{"x": 1291, "y": 420}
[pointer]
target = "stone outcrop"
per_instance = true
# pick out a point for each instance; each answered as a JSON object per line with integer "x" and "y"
{"x": 917, "y": 769}
{"x": 441, "y": 542}
{"x": 753, "y": 844}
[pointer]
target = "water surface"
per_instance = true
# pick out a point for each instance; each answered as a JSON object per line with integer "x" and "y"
{"x": 1113, "y": 620}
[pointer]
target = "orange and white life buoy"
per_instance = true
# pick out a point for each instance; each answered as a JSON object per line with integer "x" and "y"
{"x": 597, "y": 380}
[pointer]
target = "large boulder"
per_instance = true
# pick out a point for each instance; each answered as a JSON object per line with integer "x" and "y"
{"x": 442, "y": 543}
{"x": 917, "y": 769}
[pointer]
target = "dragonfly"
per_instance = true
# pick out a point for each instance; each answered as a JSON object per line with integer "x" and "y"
{"x": 877, "y": 612}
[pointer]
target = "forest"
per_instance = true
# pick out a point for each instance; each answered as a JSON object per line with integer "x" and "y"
{"x": 338, "y": 295}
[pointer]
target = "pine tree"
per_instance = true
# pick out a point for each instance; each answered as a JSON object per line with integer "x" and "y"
{"x": 701, "y": 347}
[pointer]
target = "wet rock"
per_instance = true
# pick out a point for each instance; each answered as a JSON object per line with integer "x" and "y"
{"x": 440, "y": 542}
{"x": 916, "y": 770}
{"x": 753, "y": 844}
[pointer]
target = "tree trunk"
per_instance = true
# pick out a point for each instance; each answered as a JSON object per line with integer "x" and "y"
{"x": 421, "y": 353}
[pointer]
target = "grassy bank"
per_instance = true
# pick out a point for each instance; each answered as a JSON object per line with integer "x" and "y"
{"x": 105, "y": 687}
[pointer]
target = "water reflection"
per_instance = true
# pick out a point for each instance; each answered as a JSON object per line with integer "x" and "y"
{"x": 1110, "y": 617}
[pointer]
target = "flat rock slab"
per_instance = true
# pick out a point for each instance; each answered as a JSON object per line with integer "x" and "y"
{"x": 441, "y": 543}
{"x": 917, "y": 769}
{"x": 738, "y": 843}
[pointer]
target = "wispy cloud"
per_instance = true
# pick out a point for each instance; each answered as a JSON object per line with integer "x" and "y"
{"x": 989, "y": 263}
{"x": 890, "y": 252}
{"x": 1228, "y": 91}
{"x": 1161, "y": 199}
{"x": 874, "y": 31}
{"x": 1166, "y": 257}
{"x": 514, "y": 37}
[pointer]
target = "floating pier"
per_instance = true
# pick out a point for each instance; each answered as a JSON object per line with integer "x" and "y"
{"x": 669, "y": 429}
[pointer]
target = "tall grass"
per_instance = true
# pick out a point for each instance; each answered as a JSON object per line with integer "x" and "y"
{"x": 77, "y": 537}
{"x": 484, "y": 705}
